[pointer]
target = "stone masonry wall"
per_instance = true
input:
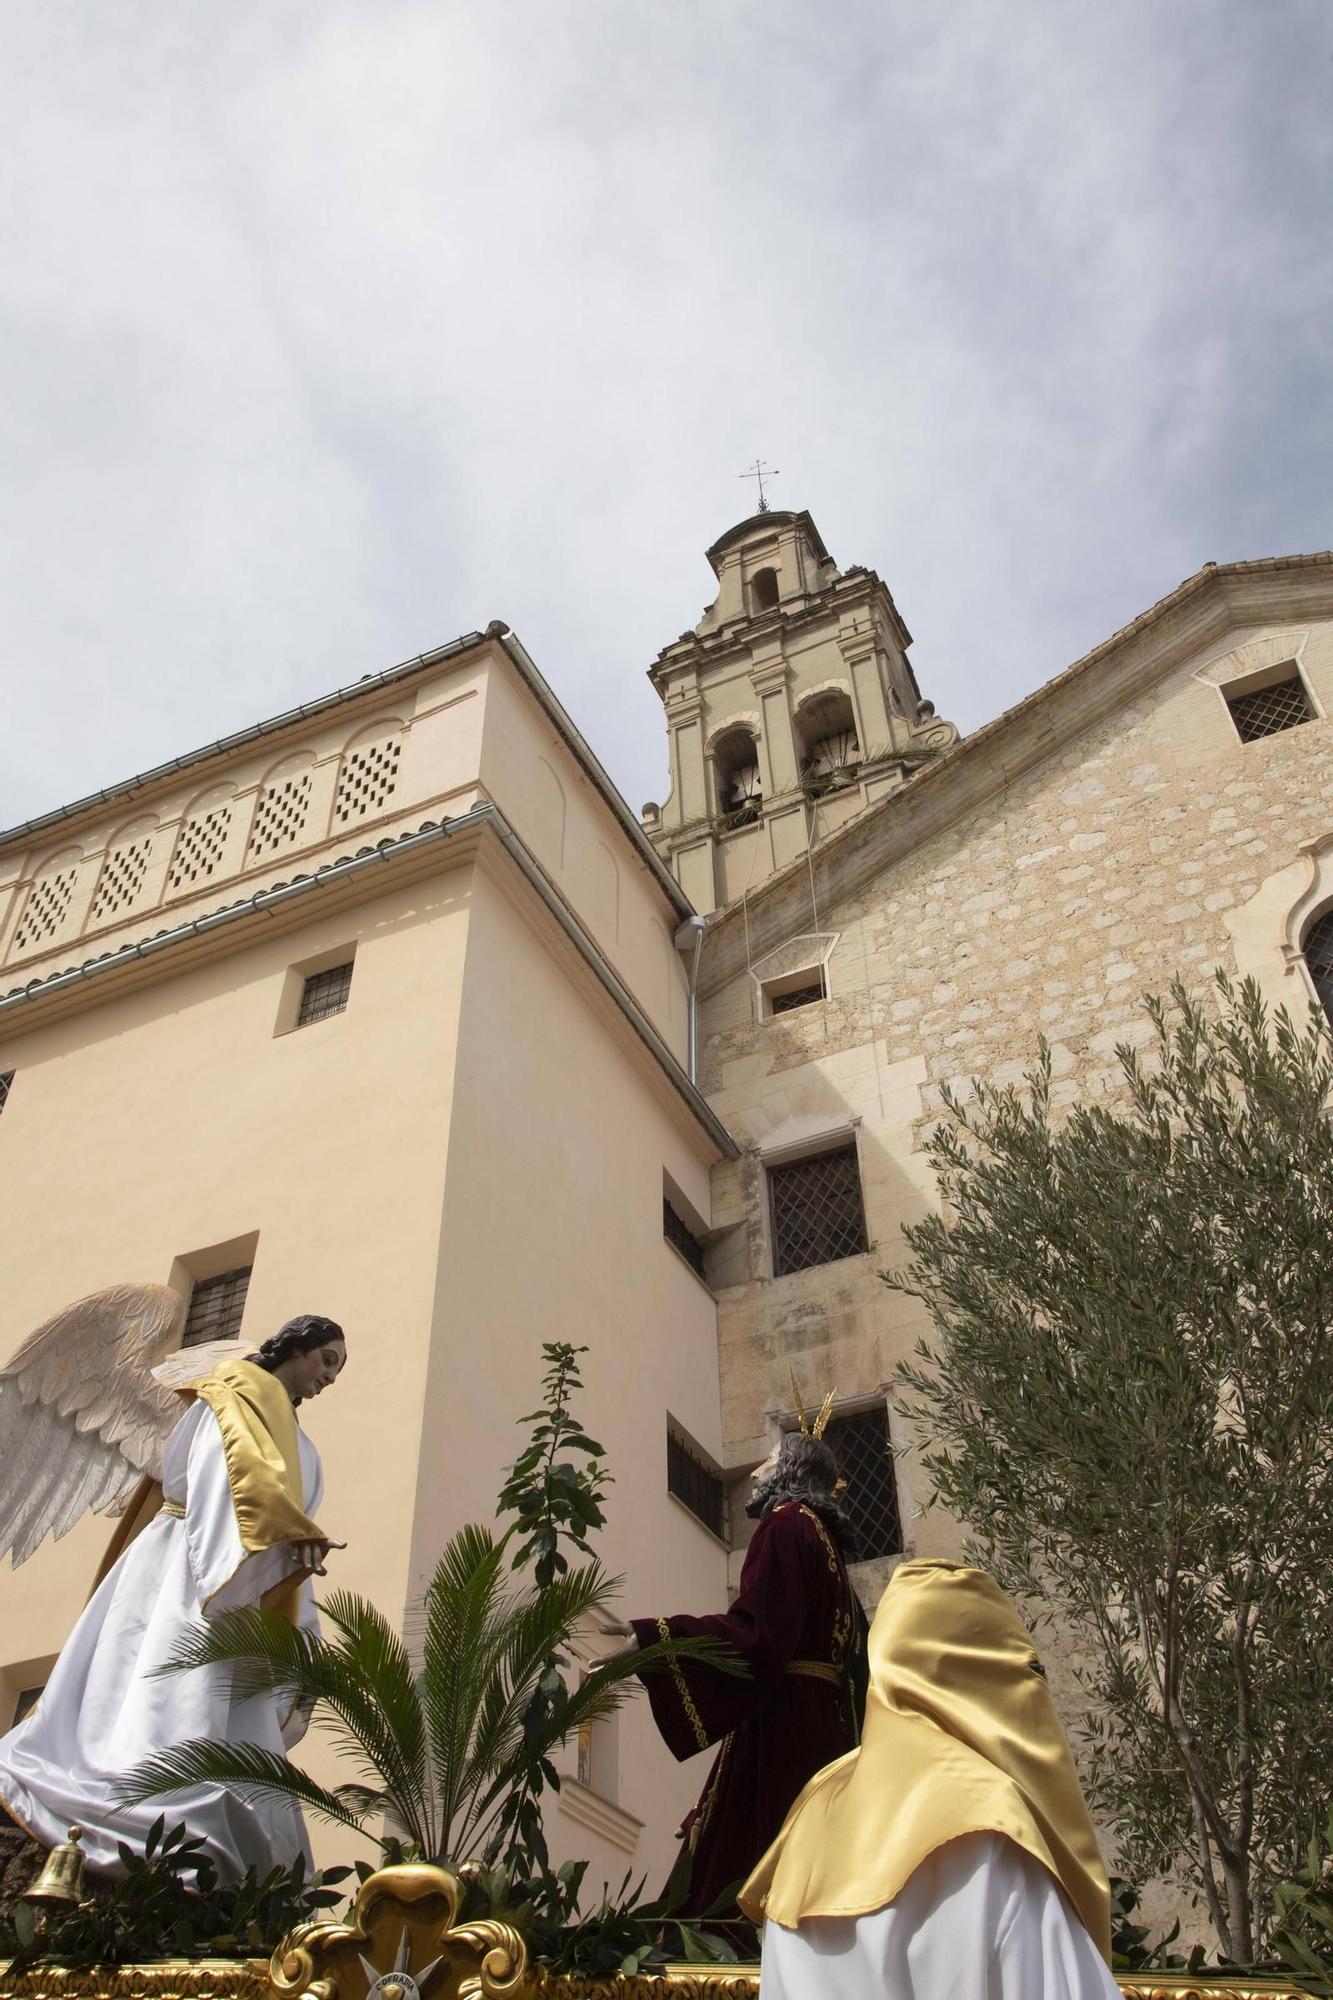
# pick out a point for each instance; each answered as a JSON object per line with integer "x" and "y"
{"x": 1101, "y": 875}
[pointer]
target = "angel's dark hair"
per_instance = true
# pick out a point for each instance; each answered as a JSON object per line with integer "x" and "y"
{"x": 298, "y": 1336}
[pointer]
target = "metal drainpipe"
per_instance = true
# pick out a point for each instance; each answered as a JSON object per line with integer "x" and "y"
{"x": 692, "y": 929}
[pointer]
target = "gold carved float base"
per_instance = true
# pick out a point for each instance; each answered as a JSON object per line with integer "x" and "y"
{"x": 404, "y": 1942}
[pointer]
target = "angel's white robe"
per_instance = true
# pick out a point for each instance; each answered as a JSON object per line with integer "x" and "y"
{"x": 980, "y": 1919}
{"x": 102, "y": 1712}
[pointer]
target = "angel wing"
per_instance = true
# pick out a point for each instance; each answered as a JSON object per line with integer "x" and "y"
{"x": 81, "y": 1417}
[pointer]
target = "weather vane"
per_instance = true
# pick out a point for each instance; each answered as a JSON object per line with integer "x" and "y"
{"x": 760, "y": 471}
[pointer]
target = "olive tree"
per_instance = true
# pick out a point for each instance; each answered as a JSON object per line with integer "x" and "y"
{"x": 1128, "y": 1400}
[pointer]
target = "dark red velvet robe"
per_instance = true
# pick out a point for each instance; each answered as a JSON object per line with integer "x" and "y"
{"x": 795, "y": 1613}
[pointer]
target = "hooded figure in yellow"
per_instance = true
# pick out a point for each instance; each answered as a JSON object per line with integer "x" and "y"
{"x": 952, "y": 1853}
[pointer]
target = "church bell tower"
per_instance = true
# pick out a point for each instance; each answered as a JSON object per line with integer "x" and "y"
{"x": 790, "y": 709}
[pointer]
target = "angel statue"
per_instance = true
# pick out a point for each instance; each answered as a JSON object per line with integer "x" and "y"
{"x": 216, "y": 1513}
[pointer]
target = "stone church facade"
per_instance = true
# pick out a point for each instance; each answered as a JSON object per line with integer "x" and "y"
{"x": 1162, "y": 808}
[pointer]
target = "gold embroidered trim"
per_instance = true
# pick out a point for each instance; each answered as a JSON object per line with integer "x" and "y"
{"x": 826, "y": 1539}
{"x": 815, "y": 1670}
{"x": 709, "y": 1799}
{"x": 692, "y": 1715}
{"x": 174, "y": 1508}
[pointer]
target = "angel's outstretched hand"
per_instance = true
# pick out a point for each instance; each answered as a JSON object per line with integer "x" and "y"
{"x": 310, "y": 1555}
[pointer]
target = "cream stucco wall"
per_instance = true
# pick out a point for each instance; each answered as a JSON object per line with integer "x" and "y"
{"x": 465, "y": 1162}
{"x": 552, "y": 1230}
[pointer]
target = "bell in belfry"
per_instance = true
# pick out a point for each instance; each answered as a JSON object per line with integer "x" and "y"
{"x": 60, "y": 1884}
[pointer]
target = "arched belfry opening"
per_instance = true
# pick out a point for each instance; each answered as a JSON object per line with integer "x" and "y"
{"x": 740, "y": 790}
{"x": 763, "y": 591}
{"x": 830, "y": 749}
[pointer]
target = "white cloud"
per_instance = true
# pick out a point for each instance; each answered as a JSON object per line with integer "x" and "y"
{"x": 333, "y": 330}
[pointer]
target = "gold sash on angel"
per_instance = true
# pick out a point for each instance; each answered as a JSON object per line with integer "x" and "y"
{"x": 259, "y": 1440}
{"x": 961, "y": 1736}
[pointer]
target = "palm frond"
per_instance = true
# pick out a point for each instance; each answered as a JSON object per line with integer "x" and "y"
{"x": 245, "y": 1767}
{"x": 264, "y": 1649}
{"x": 377, "y": 1657}
{"x": 464, "y": 1612}
{"x": 539, "y": 1626}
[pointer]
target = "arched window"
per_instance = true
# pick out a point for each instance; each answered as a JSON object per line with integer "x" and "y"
{"x": 739, "y": 788}
{"x": 763, "y": 590}
{"x": 831, "y": 753}
{"x": 1318, "y": 949}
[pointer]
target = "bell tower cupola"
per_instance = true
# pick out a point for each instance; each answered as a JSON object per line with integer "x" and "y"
{"x": 790, "y": 708}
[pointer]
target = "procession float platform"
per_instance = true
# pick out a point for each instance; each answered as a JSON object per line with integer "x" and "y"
{"x": 404, "y": 1942}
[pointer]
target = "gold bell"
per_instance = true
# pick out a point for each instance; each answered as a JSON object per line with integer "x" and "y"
{"x": 60, "y": 1884}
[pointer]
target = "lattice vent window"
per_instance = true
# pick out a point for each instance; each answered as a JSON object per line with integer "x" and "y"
{"x": 860, "y": 1443}
{"x": 216, "y": 1307}
{"x": 282, "y": 814}
{"x": 6, "y": 1079}
{"x": 123, "y": 874}
{"x": 48, "y": 906}
{"x": 817, "y": 1211}
{"x": 368, "y": 778}
{"x": 1282, "y": 705}
{"x": 200, "y": 848}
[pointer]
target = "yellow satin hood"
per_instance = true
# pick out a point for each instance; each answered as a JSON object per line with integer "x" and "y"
{"x": 961, "y": 1736}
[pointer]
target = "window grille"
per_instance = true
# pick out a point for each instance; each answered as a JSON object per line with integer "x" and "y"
{"x": 797, "y": 996}
{"x": 697, "y": 1485}
{"x": 325, "y": 993}
{"x": 817, "y": 1211}
{"x": 6, "y": 1078}
{"x": 216, "y": 1305}
{"x": 1267, "y": 710}
{"x": 860, "y": 1444}
{"x": 1318, "y": 949}
{"x": 678, "y": 1233}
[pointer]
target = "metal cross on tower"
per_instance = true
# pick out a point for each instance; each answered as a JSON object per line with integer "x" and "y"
{"x": 760, "y": 471}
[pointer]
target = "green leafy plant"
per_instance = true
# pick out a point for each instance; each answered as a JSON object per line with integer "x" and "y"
{"x": 625, "y": 1933}
{"x": 1302, "y": 1933}
{"x": 1130, "y": 1949}
{"x": 1129, "y": 1400}
{"x": 170, "y": 1901}
{"x": 449, "y": 1738}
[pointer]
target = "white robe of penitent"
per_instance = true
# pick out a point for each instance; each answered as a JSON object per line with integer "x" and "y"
{"x": 980, "y": 1919}
{"x": 103, "y": 1711}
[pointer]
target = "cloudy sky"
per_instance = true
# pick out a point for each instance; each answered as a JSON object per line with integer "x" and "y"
{"x": 334, "y": 328}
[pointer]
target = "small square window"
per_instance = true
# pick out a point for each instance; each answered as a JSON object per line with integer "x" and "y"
{"x": 818, "y": 1215}
{"x": 24, "y": 1705}
{"x": 696, "y": 1485}
{"x": 216, "y": 1306}
{"x": 860, "y": 1443}
{"x": 804, "y": 995}
{"x": 6, "y": 1078}
{"x": 324, "y": 993}
{"x": 1265, "y": 711}
{"x": 681, "y": 1237}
